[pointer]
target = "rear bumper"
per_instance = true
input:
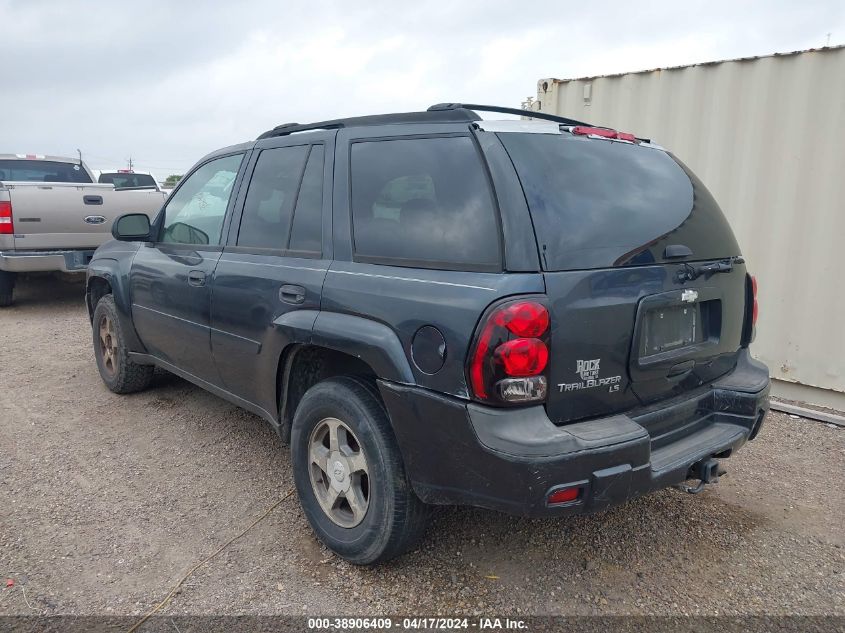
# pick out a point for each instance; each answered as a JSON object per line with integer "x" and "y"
{"x": 510, "y": 459}
{"x": 40, "y": 261}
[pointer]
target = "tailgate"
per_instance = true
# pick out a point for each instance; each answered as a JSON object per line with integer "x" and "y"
{"x": 622, "y": 338}
{"x": 72, "y": 216}
{"x": 619, "y": 226}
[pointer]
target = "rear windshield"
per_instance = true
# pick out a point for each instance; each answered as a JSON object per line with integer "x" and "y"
{"x": 598, "y": 203}
{"x": 42, "y": 171}
{"x": 128, "y": 180}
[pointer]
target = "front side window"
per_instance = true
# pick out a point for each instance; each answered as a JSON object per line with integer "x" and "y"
{"x": 194, "y": 214}
{"x": 424, "y": 202}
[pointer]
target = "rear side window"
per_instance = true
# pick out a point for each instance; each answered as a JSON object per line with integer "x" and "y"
{"x": 598, "y": 203}
{"x": 268, "y": 209}
{"x": 423, "y": 202}
{"x": 42, "y": 171}
{"x": 307, "y": 232}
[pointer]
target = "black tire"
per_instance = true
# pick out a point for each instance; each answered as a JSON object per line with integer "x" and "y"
{"x": 7, "y": 288}
{"x": 118, "y": 372}
{"x": 395, "y": 518}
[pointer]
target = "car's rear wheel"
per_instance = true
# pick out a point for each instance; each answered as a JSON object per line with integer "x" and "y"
{"x": 7, "y": 288}
{"x": 350, "y": 476}
{"x": 117, "y": 370}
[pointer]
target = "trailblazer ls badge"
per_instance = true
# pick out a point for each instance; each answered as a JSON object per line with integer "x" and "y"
{"x": 589, "y": 370}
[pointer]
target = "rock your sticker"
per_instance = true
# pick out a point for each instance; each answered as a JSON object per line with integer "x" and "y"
{"x": 589, "y": 370}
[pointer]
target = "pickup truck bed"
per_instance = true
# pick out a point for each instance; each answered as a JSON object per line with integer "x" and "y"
{"x": 56, "y": 226}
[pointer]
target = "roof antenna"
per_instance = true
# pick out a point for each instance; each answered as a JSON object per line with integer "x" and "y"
{"x": 828, "y": 40}
{"x": 79, "y": 151}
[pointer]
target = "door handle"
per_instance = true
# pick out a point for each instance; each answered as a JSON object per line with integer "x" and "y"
{"x": 92, "y": 199}
{"x": 196, "y": 278}
{"x": 292, "y": 294}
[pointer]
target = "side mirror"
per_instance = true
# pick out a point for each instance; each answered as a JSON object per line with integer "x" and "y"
{"x": 131, "y": 227}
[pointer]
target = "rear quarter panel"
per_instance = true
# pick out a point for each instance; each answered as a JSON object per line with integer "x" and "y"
{"x": 406, "y": 299}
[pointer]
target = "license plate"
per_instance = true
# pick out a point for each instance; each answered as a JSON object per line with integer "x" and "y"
{"x": 670, "y": 328}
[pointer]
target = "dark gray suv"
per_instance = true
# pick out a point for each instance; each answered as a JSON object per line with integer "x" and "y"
{"x": 539, "y": 317}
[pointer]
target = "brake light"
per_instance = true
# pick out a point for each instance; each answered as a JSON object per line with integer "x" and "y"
{"x": 523, "y": 356}
{"x": 511, "y": 353}
{"x": 7, "y": 227}
{"x": 604, "y": 132}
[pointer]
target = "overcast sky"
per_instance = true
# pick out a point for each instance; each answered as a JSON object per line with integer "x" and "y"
{"x": 170, "y": 81}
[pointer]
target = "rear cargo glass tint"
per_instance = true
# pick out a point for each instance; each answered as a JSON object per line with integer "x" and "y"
{"x": 598, "y": 203}
{"x": 128, "y": 181}
{"x": 42, "y": 171}
{"x": 423, "y": 202}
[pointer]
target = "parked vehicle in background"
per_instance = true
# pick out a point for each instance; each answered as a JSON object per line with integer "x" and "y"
{"x": 53, "y": 215}
{"x": 542, "y": 318}
{"x": 128, "y": 179}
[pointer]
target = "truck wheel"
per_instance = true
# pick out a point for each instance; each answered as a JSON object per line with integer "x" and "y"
{"x": 350, "y": 476}
{"x": 119, "y": 373}
{"x": 7, "y": 288}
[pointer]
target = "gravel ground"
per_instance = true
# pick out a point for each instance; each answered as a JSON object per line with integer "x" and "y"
{"x": 107, "y": 500}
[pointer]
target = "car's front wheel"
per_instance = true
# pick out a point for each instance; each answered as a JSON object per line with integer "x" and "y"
{"x": 350, "y": 476}
{"x": 117, "y": 370}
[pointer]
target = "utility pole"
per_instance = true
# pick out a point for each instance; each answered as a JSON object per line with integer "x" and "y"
{"x": 130, "y": 162}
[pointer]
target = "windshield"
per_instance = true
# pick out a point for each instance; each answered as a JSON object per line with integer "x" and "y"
{"x": 598, "y": 203}
{"x": 122, "y": 180}
{"x": 42, "y": 171}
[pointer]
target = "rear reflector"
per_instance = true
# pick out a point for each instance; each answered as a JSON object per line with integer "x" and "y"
{"x": 6, "y": 225}
{"x": 564, "y": 495}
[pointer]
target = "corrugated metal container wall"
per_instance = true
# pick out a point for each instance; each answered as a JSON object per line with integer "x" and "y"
{"x": 767, "y": 137}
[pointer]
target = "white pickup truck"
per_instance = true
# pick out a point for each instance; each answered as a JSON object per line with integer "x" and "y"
{"x": 53, "y": 216}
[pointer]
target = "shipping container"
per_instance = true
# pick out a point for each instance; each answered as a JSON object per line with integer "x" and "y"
{"x": 767, "y": 137}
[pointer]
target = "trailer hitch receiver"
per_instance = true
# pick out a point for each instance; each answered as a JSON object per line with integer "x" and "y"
{"x": 707, "y": 471}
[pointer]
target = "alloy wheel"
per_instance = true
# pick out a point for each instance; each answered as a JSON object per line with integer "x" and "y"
{"x": 339, "y": 472}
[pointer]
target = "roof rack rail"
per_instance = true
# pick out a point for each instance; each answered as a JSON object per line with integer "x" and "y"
{"x": 289, "y": 128}
{"x": 439, "y": 107}
{"x": 452, "y": 115}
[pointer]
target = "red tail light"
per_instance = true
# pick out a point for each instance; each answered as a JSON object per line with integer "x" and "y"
{"x": 7, "y": 227}
{"x": 754, "y": 296}
{"x": 594, "y": 131}
{"x": 523, "y": 356}
{"x": 603, "y": 132}
{"x": 511, "y": 353}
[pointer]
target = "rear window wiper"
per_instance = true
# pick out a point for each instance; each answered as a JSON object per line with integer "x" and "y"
{"x": 689, "y": 272}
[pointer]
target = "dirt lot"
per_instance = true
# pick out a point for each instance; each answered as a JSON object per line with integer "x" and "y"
{"x": 107, "y": 500}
